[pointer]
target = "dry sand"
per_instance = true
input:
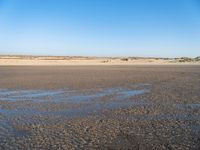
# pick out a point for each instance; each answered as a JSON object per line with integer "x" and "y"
{"x": 62, "y": 61}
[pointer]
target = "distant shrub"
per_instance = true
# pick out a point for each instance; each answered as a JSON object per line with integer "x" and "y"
{"x": 197, "y": 58}
{"x": 185, "y": 59}
{"x": 166, "y": 58}
{"x": 133, "y": 58}
{"x": 106, "y": 61}
{"x": 124, "y": 59}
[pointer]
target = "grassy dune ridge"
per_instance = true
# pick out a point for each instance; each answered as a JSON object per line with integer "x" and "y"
{"x": 84, "y": 60}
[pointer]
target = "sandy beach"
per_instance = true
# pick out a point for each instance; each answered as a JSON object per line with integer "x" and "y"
{"x": 100, "y": 107}
{"x": 99, "y": 75}
{"x": 63, "y": 61}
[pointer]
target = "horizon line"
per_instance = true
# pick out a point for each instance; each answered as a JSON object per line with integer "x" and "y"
{"x": 90, "y": 56}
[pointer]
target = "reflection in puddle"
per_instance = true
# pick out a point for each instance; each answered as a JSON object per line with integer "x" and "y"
{"x": 21, "y": 133}
{"x": 19, "y": 95}
{"x": 66, "y": 96}
{"x": 30, "y": 103}
{"x": 7, "y": 129}
{"x": 103, "y": 99}
{"x": 161, "y": 117}
{"x": 188, "y": 106}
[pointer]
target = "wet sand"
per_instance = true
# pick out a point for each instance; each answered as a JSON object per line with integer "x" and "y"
{"x": 100, "y": 107}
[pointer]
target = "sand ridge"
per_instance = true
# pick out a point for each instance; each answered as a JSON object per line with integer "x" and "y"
{"x": 78, "y": 60}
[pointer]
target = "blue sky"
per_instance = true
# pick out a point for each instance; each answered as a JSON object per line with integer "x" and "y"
{"x": 166, "y": 28}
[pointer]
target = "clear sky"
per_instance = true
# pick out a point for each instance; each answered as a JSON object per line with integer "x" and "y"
{"x": 166, "y": 28}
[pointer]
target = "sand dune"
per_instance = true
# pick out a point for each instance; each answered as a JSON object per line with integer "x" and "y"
{"x": 76, "y": 60}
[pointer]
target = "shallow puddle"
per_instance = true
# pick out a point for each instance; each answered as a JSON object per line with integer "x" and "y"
{"x": 188, "y": 106}
{"x": 66, "y": 96}
{"x": 29, "y": 104}
{"x": 161, "y": 117}
{"x": 25, "y": 104}
{"x": 19, "y": 95}
{"x": 111, "y": 98}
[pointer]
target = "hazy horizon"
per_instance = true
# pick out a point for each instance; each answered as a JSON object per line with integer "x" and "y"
{"x": 114, "y": 28}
